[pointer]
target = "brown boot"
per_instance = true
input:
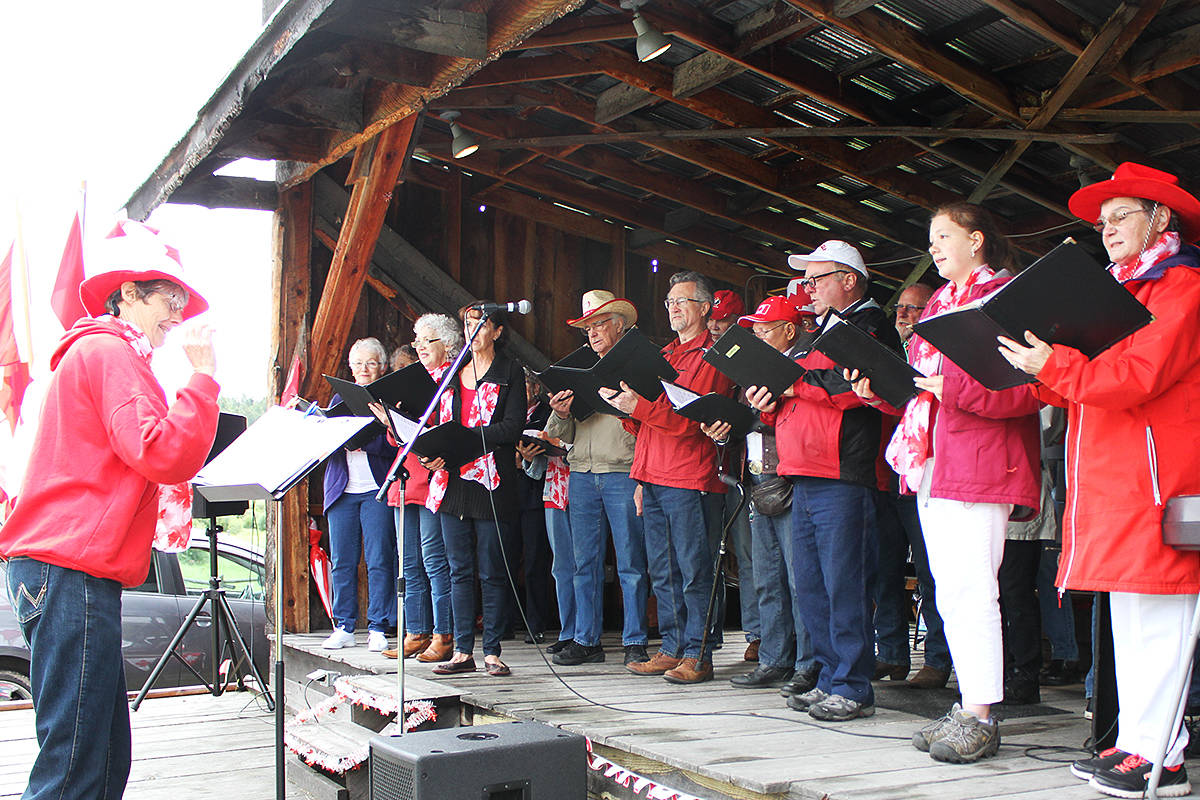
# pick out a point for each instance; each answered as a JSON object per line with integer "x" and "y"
{"x": 660, "y": 663}
{"x": 690, "y": 670}
{"x": 929, "y": 678}
{"x": 752, "y": 651}
{"x": 440, "y": 649}
{"x": 415, "y": 643}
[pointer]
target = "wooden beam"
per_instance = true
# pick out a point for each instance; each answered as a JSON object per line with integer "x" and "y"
{"x": 356, "y": 241}
{"x": 220, "y": 191}
{"x": 427, "y": 283}
{"x": 703, "y": 72}
{"x": 619, "y": 100}
{"x": 291, "y": 285}
{"x": 579, "y": 30}
{"x": 530, "y": 68}
{"x": 1122, "y": 116}
{"x": 1166, "y": 55}
{"x": 443, "y": 31}
{"x": 848, "y": 8}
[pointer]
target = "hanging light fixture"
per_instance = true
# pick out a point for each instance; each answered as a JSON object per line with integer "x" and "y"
{"x": 650, "y": 43}
{"x": 462, "y": 143}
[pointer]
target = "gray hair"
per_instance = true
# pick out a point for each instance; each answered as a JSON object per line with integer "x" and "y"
{"x": 703, "y": 287}
{"x": 1151, "y": 206}
{"x": 374, "y": 345}
{"x": 446, "y": 329}
{"x": 144, "y": 289}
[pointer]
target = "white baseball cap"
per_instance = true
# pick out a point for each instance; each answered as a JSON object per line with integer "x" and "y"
{"x": 833, "y": 250}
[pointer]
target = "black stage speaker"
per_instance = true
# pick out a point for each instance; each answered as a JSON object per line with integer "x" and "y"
{"x": 504, "y": 761}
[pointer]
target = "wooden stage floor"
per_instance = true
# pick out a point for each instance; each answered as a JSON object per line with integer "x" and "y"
{"x": 716, "y": 741}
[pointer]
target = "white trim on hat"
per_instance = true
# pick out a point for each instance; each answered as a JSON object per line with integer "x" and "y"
{"x": 833, "y": 250}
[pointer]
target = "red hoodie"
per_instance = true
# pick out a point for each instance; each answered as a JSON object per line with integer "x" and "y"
{"x": 105, "y": 442}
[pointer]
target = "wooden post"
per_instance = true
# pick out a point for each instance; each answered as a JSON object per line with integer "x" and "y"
{"x": 291, "y": 279}
{"x": 356, "y": 243}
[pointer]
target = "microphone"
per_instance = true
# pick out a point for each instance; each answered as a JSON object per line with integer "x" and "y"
{"x": 519, "y": 307}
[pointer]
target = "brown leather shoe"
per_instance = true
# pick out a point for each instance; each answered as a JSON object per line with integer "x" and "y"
{"x": 390, "y": 653}
{"x": 929, "y": 678}
{"x": 415, "y": 643}
{"x": 690, "y": 670}
{"x": 751, "y": 651}
{"x": 440, "y": 649}
{"x": 896, "y": 672}
{"x": 659, "y": 664}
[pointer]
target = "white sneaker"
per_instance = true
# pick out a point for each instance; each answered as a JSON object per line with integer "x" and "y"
{"x": 338, "y": 639}
{"x": 376, "y": 641}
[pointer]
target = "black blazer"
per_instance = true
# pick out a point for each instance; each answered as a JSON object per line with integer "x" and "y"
{"x": 466, "y": 498}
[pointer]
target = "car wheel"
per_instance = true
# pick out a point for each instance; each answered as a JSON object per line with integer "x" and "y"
{"x": 14, "y": 686}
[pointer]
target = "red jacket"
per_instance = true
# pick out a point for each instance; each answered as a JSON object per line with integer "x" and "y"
{"x": 826, "y": 430}
{"x": 671, "y": 450}
{"x": 1133, "y": 440}
{"x": 105, "y": 442}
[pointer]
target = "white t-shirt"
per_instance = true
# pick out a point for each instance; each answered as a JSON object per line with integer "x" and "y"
{"x": 359, "y": 468}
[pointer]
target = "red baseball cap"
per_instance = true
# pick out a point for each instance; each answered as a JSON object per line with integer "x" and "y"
{"x": 726, "y": 304}
{"x": 774, "y": 309}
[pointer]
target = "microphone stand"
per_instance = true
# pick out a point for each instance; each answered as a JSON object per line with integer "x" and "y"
{"x": 397, "y": 472}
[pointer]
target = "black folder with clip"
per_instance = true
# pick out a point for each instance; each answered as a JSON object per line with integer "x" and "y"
{"x": 556, "y": 379}
{"x": 850, "y": 347}
{"x": 634, "y": 359}
{"x": 1065, "y": 297}
{"x": 712, "y": 407}
{"x": 749, "y": 361}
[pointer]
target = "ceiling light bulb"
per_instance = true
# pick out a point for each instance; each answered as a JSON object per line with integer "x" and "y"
{"x": 650, "y": 43}
{"x": 464, "y": 144}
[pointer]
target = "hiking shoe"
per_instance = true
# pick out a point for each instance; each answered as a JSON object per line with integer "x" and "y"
{"x": 968, "y": 739}
{"x": 1085, "y": 768}
{"x": 836, "y": 708}
{"x": 803, "y": 681}
{"x": 802, "y": 702}
{"x": 635, "y": 654}
{"x": 690, "y": 670}
{"x": 658, "y": 665}
{"x": 1131, "y": 777}
{"x": 935, "y": 730}
{"x": 762, "y": 677}
{"x": 575, "y": 654}
{"x": 558, "y": 646}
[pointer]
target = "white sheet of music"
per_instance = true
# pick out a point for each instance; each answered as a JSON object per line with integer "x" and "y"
{"x": 678, "y": 395}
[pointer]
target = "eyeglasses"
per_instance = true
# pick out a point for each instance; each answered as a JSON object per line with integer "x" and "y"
{"x": 907, "y": 307}
{"x": 596, "y": 325}
{"x": 175, "y": 303}
{"x": 672, "y": 302}
{"x": 372, "y": 364}
{"x": 811, "y": 283}
{"x": 1119, "y": 217}
{"x": 763, "y": 334}
{"x": 424, "y": 342}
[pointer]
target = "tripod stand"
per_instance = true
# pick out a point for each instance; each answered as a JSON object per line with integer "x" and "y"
{"x": 222, "y": 623}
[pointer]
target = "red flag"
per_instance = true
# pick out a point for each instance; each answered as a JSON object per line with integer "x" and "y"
{"x": 14, "y": 373}
{"x": 295, "y": 376}
{"x": 64, "y": 299}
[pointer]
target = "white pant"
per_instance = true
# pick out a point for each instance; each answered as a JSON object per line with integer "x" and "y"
{"x": 1149, "y": 631}
{"x": 965, "y": 542}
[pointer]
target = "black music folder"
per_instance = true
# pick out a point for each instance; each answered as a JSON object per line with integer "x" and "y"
{"x": 1065, "y": 297}
{"x": 410, "y": 388}
{"x": 552, "y": 450}
{"x": 557, "y": 379}
{"x": 712, "y": 407}
{"x": 634, "y": 359}
{"x": 850, "y": 347}
{"x": 749, "y": 361}
{"x": 453, "y": 442}
{"x": 280, "y": 448}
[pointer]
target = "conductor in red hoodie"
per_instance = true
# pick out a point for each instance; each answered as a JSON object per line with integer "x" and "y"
{"x": 84, "y": 521}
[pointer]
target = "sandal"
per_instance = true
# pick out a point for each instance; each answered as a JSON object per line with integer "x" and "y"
{"x": 455, "y": 667}
{"x": 497, "y": 669}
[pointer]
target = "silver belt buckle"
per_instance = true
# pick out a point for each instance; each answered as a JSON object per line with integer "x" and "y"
{"x": 756, "y": 467}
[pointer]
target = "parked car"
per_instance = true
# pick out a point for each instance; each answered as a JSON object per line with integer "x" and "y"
{"x": 153, "y": 612}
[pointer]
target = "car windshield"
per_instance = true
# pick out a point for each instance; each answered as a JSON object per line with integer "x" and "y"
{"x": 240, "y": 577}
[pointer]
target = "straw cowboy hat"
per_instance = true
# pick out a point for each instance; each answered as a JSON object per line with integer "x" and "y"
{"x": 133, "y": 252}
{"x": 1138, "y": 180}
{"x": 599, "y": 301}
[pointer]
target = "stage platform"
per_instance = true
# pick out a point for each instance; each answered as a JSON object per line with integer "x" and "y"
{"x": 714, "y": 741}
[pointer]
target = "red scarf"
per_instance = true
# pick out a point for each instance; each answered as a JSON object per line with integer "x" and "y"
{"x": 483, "y": 469}
{"x": 1164, "y": 247}
{"x": 909, "y": 448}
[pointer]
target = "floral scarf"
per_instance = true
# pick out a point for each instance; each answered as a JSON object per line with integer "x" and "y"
{"x": 909, "y": 448}
{"x": 1164, "y": 247}
{"x": 173, "y": 529}
{"x": 554, "y": 493}
{"x": 483, "y": 469}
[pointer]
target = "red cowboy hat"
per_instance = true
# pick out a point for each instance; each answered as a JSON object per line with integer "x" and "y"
{"x": 1138, "y": 180}
{"x": 134, "y": 252}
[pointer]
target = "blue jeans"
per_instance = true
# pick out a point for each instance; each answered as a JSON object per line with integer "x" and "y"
{"x": 426, "y": 572}
{"x": 72, "y": 623}
{"x": 361, "y": 526}
{"x": 558, "y": 528}
{"x": 1058, "y": 621}
{"x": 473, "y": 544}
{"x": 680, "y": 564}
{"x": 739, "y": 535}
{"x": 594, "y": 496}
{"x": 835, "y": 549}
{"x": 785, "y": 641}
{"x": 899, "y": 530}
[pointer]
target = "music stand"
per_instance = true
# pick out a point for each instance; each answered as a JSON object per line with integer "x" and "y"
{"x": 225, "y": 634}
